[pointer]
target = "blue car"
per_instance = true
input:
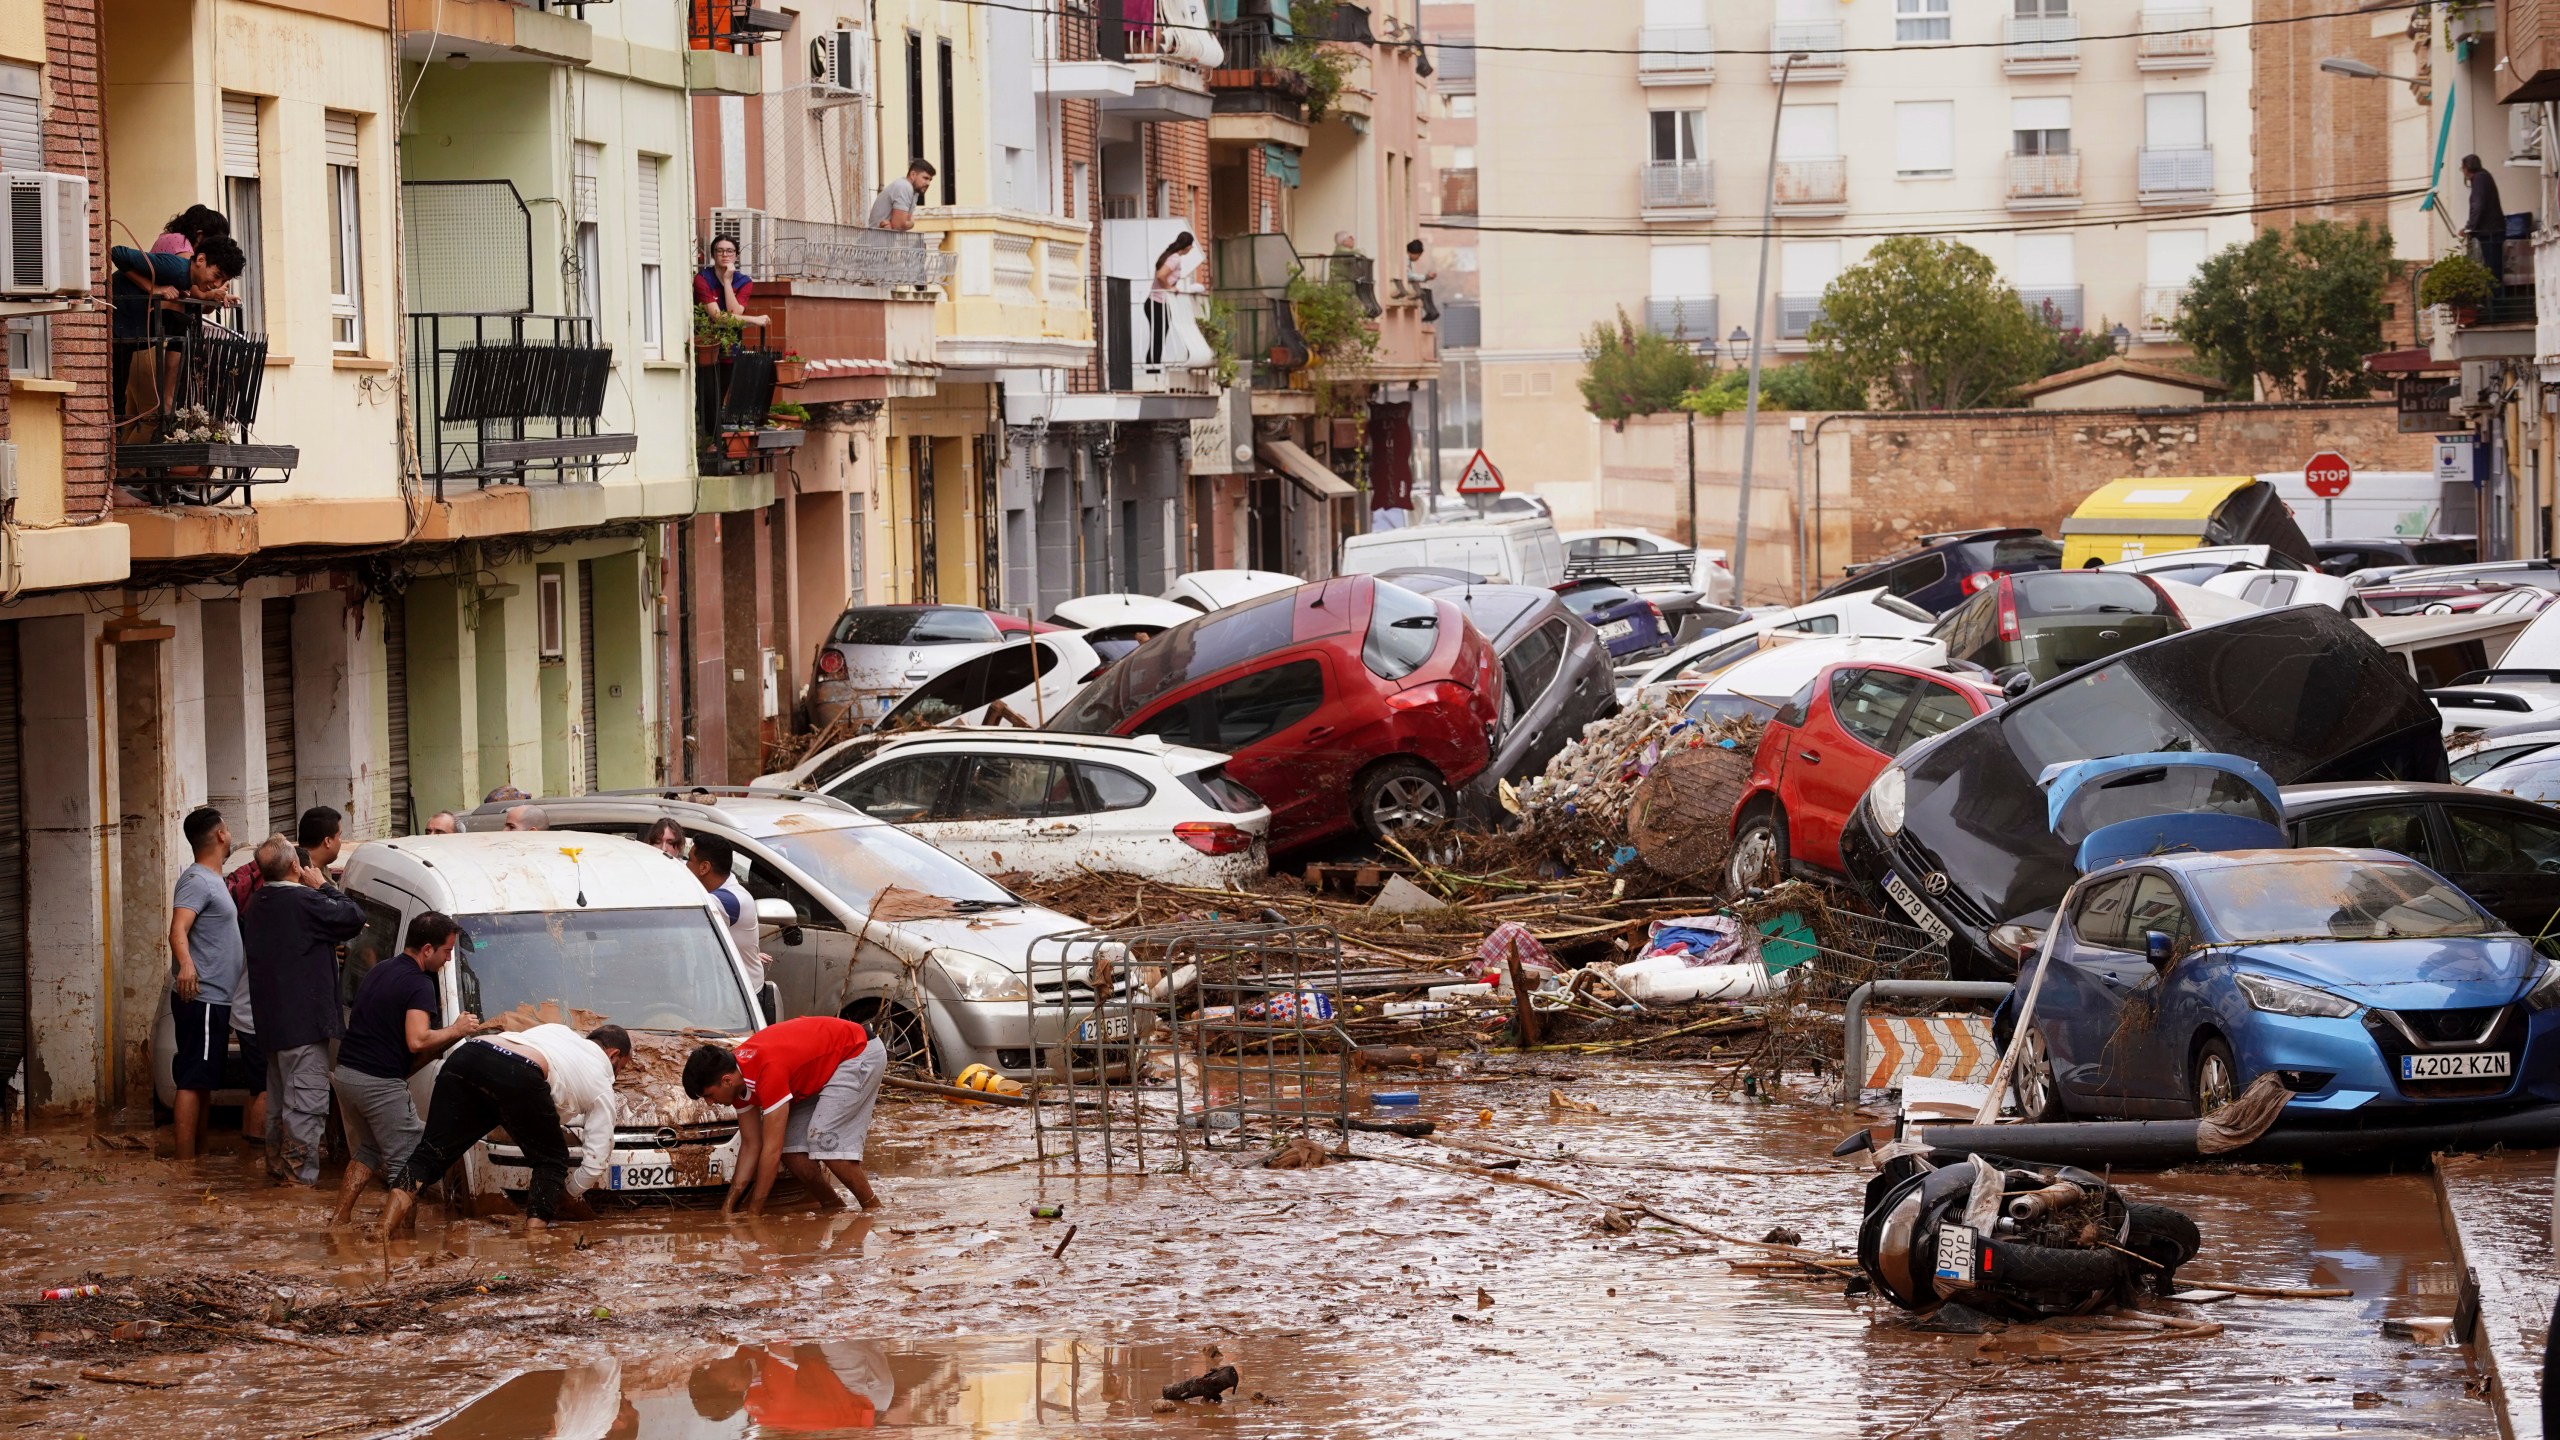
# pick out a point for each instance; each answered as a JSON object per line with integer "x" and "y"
{"x": 1629, "y": 624}
{"x": 2194, "y": 956}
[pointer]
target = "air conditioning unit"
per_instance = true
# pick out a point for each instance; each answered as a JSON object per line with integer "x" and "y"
{"x": 44, "y": 249}
{"x": 750, "y": 228}
{"x": 2524, "y": 134}
{"x": 840, "y": 67}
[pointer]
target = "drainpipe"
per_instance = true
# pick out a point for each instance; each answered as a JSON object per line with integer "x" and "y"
{"x": 106, "y": 898}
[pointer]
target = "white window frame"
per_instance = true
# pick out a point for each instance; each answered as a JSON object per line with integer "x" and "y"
{"x": 651, "y": 180}
{"x": 1936, "y": 162}
{"x": 1688, "y": 134}
{"x": 551, "y": 615}
{"x": 346, "y": 287}
{"x": 1922, "y": 22}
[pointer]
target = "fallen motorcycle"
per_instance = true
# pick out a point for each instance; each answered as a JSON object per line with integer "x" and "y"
{"x": 2013, "y": 1238}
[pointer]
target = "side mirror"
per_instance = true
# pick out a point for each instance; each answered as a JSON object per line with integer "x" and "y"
{"x": 774, "y": 910}
{"x": 2016, "y": 680}
{"x": 2158, "y": 948}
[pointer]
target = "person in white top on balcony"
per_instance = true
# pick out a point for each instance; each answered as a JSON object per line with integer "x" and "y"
{"x": 1169, "y": 282}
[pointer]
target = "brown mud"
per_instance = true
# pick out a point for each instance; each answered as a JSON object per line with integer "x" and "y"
{"x": 1415, "y": 1294}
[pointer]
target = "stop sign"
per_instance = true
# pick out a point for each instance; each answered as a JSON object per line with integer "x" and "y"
{"x": 2327, "y": 475}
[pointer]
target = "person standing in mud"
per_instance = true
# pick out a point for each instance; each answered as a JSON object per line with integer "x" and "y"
{"x": 714, "y": 862}
{"x": 292, "y": 932}
{"x": 204, "y": 973}
{"x": 535, "y": 1082}
{"x": 804, "y": 1091}
{"x": 392, "y": 1030}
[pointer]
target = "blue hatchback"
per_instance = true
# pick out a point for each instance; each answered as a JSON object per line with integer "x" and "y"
{"x": 1629, "y": 624}
{"x": 2362, "y": 979}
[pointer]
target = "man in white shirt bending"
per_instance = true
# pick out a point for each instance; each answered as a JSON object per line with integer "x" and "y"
{"x": 536, "y": 1082}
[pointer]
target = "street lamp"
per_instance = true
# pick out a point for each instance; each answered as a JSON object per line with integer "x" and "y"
{"x": 1736, "y": 343}
{"x": 1759, "y": 311}
{"x": 2358, "y": 70}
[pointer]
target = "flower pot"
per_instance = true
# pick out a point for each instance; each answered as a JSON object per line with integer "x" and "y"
{"x": 783, "y": 422}
{"x": 707, "y": 352}
{"x": 2466, "y": 314}
{"x": 790, "y": 372}
{"x": 738, "y": 444}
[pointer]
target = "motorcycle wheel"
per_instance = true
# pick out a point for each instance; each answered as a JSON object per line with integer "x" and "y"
{"x": 2025, "y": 1272}
{"x": 2163, "y": 1236}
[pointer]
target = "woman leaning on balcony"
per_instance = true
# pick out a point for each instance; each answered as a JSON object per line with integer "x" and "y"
{"x": 722, "y": 287}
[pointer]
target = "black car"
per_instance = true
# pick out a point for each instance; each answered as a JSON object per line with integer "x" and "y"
{"x": 1954, "y": 832}
{"x": 2345, "y": 557}
{"x": 1945, "y": 568}
{"x": 2027, "y": 629}
{"x": 2501, "y": 850}
{"x": 1556, "y": 675}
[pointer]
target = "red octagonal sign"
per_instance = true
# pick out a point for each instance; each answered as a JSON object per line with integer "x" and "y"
{"x": 2327, "y": 475}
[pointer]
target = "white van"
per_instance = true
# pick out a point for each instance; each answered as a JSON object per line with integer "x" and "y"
{"x": 2378, "y": 505}
{"x": 581, "y": 929}
{"x": 1525, "y": 551}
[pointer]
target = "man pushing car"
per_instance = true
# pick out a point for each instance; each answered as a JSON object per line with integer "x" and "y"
{"x": 804, "y": 1091}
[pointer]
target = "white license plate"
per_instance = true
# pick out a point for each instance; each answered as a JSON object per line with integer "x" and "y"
{"x": 1114, "y": 1028}
{"x": 2467, "y": 1065}
{"x": 1616, "y": 628}
{"x": 1920, "y": 914}
{"x": 647, "y": 1177}
{"x": 1956, "y": 1253}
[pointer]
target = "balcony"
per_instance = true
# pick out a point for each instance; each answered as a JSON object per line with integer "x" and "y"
{"x": 2044, "y": 182}
{"x": 503, "y": 399}
{"x": 497, "y": 30}
{"x": 2160, "y": 305}
{"x": 1796, "y": 316}
{"x": 1170, "y": 64}
{"x": 1683, "y": 56}
{"x": 1252, "y": 78}
{"x": 721, "y": 40}
{"x": 733, "y": 410}
{"x": 846, "y": 342}
{"x": 1819, "y": 41}
{"x": 1016, "y": 297}
{"x": 1813, "y": 185}
{"x": 1136, "y": 359}
{"x": 2058, "y": 305}
{"x": 1690, "y": 319}
{"x": 1250, "y": 273}
{"x": 1685, "y": 188}
{"x": 2176, "y": 177}
{"x": 2041, "y": 44}
{"x": 184, "y": 415}
{"x": 2172, "y": 40}
{"x": 821, "y": 250}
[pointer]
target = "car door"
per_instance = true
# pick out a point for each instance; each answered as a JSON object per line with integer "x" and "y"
{"x": 2146, "y": 1057}
{"x": 1013, "y": 812}
{"x": 1937, "y": 708}
{"x": 2093, "y": 974}
{"x": 795, "y": 955}
{"x": 1267, "y": 719}
{"x": 1836, "y": 756}
{"x": 2509, "y": 861}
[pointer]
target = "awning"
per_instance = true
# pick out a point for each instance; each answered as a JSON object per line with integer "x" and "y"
{"x": 1286, "y": 457}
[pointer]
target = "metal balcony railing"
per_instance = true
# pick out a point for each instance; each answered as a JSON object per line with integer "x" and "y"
{"x": 2172, "y": 38}
{"x": 503, "y": 398}
{"x": 1266, "y": 337}
{"x": 2041, "y": 44}
{"x": 1679, "y": 185}
{"x": 1347, "y": 268}
{"x": 1128, "y": 30}
{"x": 2042, "y": 181}
{"x": 733, "y": 408}
{"x": 1689, "y": 318}
{"x": 1682, "y": 56}
{"x": 2160, "y": 305}
{"x": 2057, "y": 305}
{"x": 852, "y": 255}
{"x": 2182, "y": 175}
{"x": 186, "y": 399}
{"x": 1819, "y": 41}
{"x": 1813, "y": 180}
{"x": 1796, "y": 315}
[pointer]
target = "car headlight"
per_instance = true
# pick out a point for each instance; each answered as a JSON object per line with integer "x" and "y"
{"x": 1884, "y": 801}
{"x": 975, "y": 977}
{"x": 2545, "y": 991}
{"x": 2283, "y": 997}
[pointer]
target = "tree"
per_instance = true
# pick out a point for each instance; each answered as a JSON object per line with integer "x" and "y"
{"x": 2295, "y": 310}
{"x": 1631, "y": 370}
{"x": 1782, "y": 387}
{"x": 1928, "y": 325}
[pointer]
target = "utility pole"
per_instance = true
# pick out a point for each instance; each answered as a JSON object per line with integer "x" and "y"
{"x": 1759, "y": 327}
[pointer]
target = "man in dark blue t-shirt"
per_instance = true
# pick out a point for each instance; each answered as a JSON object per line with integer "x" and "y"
{"x": 391, "y": 1029}
{"x": 145, "y": 278}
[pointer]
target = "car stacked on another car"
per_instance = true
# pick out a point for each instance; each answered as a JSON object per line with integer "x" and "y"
{"x": 875, "y": 654}
{"x": 2030, "y": 628}
{"x": 1555, "y": 675}
{"x": 1629, "y": 624}
{"x": 1939, "y": 572}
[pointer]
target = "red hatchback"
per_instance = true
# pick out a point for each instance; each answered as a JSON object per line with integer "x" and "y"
{"x": 1821, "y": 751}
{"x": 1347, "y": 703}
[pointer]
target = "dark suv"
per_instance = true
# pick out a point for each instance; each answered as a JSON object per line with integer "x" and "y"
{"x": 1947, "y": 567}
{"x": 2028, "y": 629}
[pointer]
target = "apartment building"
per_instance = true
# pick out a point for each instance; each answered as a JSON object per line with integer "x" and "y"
{"x": 2096, "y": 172}
{"x": 1454, "y": 259}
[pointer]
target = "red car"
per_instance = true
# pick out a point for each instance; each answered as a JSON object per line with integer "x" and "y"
{"x": 1821, "y": 751}
{"x": 1346, "y": 703}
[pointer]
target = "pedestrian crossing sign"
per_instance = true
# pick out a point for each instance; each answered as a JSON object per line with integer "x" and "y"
{"x": 1480, "y": 478}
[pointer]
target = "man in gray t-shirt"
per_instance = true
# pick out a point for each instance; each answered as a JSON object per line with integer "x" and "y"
{"x": 896, "y": 207}
{"x": 206, "y": 971}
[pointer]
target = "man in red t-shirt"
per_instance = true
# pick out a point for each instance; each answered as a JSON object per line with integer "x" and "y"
{"x": 803, "y": 1090}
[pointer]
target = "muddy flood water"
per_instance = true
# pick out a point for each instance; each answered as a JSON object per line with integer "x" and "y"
{"x": 1358, "y": 1299}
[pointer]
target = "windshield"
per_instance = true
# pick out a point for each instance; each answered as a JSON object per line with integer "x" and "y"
{"x": 2336, "y": 899}
{"x": 2529, "y": 779}
{"x": 2161, "y": 790}
{"x": 857, "y": 863}
{"x": 2088, "y": 592}
{"x": 1404, "y": 628}
{"x": 643, "y": 969}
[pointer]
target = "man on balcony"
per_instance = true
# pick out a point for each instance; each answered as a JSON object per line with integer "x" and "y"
{"x": 896, "y": 207}
{"x": 2487, "y": 225}
{"x": 173, "y": 286}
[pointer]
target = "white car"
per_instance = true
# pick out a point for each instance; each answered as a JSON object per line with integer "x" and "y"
{"x": 2275, "y": 589}
{"x": 875, "y": 654}
{"x": 2492, "y": 701}
{"x": 1206, "y": 590}
{"x": 2483, "y": 751}
{"x": 1634, "y": 557}
{"x": 2199, "y": 563}
{"x": 1117, "y": 622}
{"x": 1031, "y": 676}
{"x": 1050, "y": 804}
{"x": 1860, "y": 612}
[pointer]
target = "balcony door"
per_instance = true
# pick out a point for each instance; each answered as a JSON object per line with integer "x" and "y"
{"x": 1679, "y": 136}
{"x": 1809, "y": 132}
{"x": 2040, "y": 124}
{"x": 2173, "y": 121}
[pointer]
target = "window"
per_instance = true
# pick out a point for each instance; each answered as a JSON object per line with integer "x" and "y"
{"x": 1264, "y": 703}
{"x": 1531, "y": 666}
{"x": 954, "y": 626}
{"x": 2401, "y": 829}
{"x": 2171, "y": 256}
{"x": 1679, "y": 136}
{"x": 2493, "y": 842}
{"x": 1462, "y": 107}
{"x": 1680, "y": 270}
{"x": 1920, "y": 21}
{"x": 1808, "y": 267}
{"x": 2156, "y": 906}
{"x": 2041, "y": 123}
{"x": 1462, "y": 157}
{"x": 950, "y": 128}
{"x": 1113, "y": 788}
{"x": 1809, "y": 132}
{"x": 915, "y": 98}
{"x": 1404, "y": 628}
{"x": 903, "y": 792}
{"x": 586, "y": 211}
{"x": 346, "y": 235}
{"x": 22, "y": 148}
{"x": 653, "y": 275}
{"x": 241, "y": 201}
{"x": 2044, "y": 263}
{"x": 551, "y": 639}
{"x": 2042, "y": 9}
{"x": 377, "y": 941}
{"x": 1917, "y": 574}
{"x": 1938, "y": 710}
{"x": 1867, "y": 702}
{"x": 1018, "y": 787}
{"x": 1924, "y": 139}
{"x": 2174, "y": 121}
{"x": 2100, "y": 920}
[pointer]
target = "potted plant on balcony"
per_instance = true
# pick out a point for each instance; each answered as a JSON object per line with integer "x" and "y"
{"x": 1218, "y": 327}
{"x": 791, "y": 369}
{"x": 786, "y": 415}
{"x": 1337, "y": 329}
{"x": 714, "y": 335}
{"x": 738, "y": 444}
{"x": 2459, "y": 283}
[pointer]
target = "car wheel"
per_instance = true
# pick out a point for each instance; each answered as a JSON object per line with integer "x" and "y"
{"x": 1401, "y": 795}
{"x": 2039, "y": 1099}
{"x": 1759, "y": 858}
{"x": 2215, "y": 1081}
{"x": 897, "y": 1024}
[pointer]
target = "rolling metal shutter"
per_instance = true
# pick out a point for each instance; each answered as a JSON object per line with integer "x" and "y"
{"x": 13, "y": 865}
{"x": 340, "y": 137}
{"x": 275, "y": 662}
{"x": 587, "y": 668}
{"x": 395, "y": 666}
{"x": 240, "y": 136}
{"x": 21, "y": 119}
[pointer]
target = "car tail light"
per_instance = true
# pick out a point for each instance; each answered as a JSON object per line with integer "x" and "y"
{"x": 1437, "y": 692}
{"x": 1980, "y": 578}
{"x": 1659, "y": 627}
{"x": 2165, "y": 602}
{"x": 1213, "y": 837}
{"x": 2008, "y": 607}
{"x": 831, "y": 663}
